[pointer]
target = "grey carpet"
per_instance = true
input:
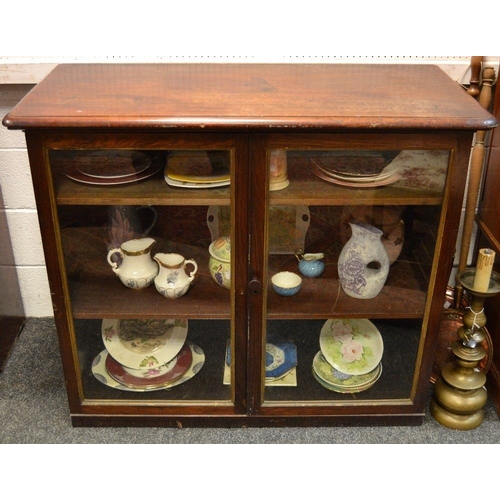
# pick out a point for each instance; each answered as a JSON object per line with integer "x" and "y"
{"x": 33, "y": 409}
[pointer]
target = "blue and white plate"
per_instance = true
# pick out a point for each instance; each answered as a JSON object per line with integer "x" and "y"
{"x": 280, "y": 359}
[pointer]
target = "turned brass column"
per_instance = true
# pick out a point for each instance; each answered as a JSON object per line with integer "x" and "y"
{"x": 459, "y": 394}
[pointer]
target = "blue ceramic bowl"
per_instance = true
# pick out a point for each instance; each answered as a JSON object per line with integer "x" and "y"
{"x": 286, "y": 283}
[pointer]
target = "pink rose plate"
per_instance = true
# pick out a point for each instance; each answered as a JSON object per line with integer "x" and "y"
{"x": 351, "y": 346}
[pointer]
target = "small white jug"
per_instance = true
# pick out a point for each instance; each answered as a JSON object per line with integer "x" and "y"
{"x": 137, "y": 269}
{"x": 173, "y": 281}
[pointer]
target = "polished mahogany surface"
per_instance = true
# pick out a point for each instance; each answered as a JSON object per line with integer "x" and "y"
{"x": 332, "y": 96}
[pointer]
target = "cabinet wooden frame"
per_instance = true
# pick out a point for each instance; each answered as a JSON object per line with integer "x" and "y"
{"x": 247, "y": 110}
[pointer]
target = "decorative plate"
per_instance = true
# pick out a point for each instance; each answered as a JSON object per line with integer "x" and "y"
{"x": 356, "y": 163}
{"x": 199, "y": 167}
{"x": 387, "y": 172}
{"x": 140, "y": 344}
{"x": 280, "y": 358}
{"x": 335, "y": 379}
{"x": 343, "y": 390}
{"x": 107, "y": 164}
{"x": 194, "y": 185}
{"x": 101, "y": 374}
{"x": 75, "y": 175}
{"x": 352, "y": 346}
{"x": 394, "y": 177}
{"x": 171, "y": 371}
{"x": 289, "y": 379}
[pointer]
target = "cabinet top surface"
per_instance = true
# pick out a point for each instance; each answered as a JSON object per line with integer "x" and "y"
{"x": 215, "y": 96}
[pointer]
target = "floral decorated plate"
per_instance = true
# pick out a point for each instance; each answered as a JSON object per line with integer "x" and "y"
{"x": 341, "y": 381}
{"x": 344, "y": 390}
{"x": 280, "y": 359}
{"x": 351, "y": 346}
{"x": 159, "y": 377}
{"x": 100, "y": 373}
{"x": 140, "y": 344}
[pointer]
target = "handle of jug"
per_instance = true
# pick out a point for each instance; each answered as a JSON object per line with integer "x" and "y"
{"x": 194, "y": 271}
{"x": 114, "y": 265}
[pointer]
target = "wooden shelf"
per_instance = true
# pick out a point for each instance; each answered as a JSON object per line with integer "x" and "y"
{"x": 403, "y": 296}
{"x": 152, "y": 191}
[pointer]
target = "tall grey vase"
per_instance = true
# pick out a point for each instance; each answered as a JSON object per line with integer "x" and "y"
{"x": 363, "y": 263}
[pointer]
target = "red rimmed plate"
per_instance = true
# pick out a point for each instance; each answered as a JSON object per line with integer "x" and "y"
{"x": 174, "y": 370}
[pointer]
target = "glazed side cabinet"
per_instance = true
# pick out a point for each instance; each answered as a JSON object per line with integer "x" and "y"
{"x": 171, "y": 197}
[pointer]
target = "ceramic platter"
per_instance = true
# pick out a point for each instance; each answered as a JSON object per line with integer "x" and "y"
{"x": 141, "y": 344}
{"x": 76, "y": 175}
{"x": 194, "y": 185}
{"x": 373, "y": 182}
{"x": 357, "y": 163}
{"x": 100, "y": 372}
{"x": 199, "y": 167}
{"x": 280, "y": 359}
{"x": 351, "y": 346}
{"x": 336, "y": 381}
{"x": 108, "y": 164}
{"x": 167, "y": 374}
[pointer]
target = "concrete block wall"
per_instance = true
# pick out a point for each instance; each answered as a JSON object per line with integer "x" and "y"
{"x": 18, "y": 211}
{"x": 25, "y": 260}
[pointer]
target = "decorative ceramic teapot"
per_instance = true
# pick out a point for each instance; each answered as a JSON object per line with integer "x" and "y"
{"x": 173, "y": 281}
{"x": 135, "y": 267}
{"x": 310, "y": 264}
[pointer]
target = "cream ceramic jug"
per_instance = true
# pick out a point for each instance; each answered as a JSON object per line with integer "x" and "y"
{"x": 173, "y": 281}
{"x": 135, "y": 267}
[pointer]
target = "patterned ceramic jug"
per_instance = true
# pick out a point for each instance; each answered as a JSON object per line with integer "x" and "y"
{"x": 173, "y": 281}
{"x": 363, "y": 264}
{"x": 134, "y": 266}
{"x": 311, "y": 265}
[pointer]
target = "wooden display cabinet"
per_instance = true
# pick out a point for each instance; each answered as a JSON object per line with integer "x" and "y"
{"x": 233, "y": 119}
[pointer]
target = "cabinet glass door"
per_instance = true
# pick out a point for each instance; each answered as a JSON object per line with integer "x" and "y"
{"x": 351, "y": 240}
{"x": 146, "y": 244}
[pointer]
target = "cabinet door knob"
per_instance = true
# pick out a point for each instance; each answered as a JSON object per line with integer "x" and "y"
{"x": 255, "y": 287}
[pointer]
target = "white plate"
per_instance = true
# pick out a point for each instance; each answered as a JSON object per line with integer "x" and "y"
{"x": 351, "y": 346}
{"x": 101, "y": 374}
{"x": 144, "y": 343}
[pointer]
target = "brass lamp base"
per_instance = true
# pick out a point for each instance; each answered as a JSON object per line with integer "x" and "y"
{"x": 459, "y": 394}
{"x": 454, "y": 420}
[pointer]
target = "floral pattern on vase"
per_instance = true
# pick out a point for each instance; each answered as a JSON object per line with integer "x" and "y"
{"x": 363, "y": 264}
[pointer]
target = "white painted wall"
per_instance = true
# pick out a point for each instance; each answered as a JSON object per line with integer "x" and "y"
{"x": 17, "y": 74}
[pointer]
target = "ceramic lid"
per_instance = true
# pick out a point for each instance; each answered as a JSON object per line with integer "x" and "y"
{"x": 221, "y": 248}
